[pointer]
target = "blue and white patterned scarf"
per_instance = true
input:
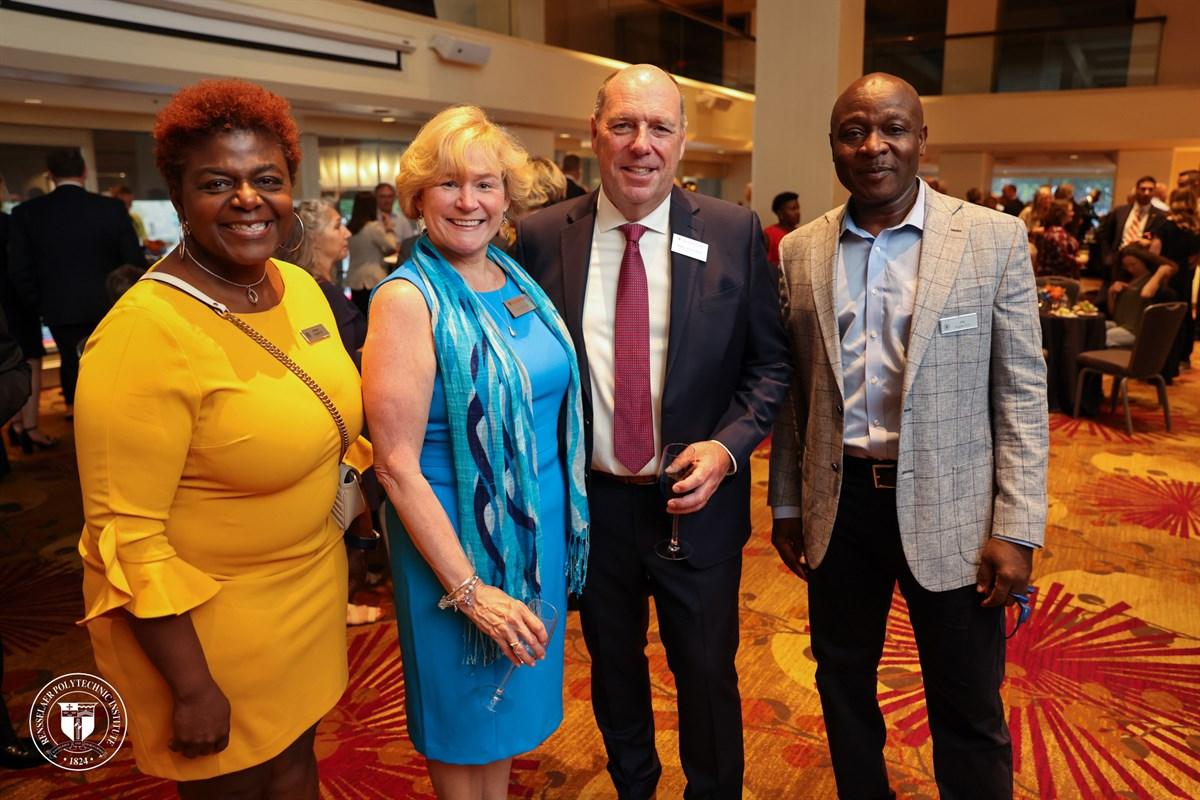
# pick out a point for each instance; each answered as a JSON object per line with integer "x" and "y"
{"x": 489, "y": 403}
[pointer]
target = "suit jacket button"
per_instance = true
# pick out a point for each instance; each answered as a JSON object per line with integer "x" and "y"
{"x": 834, "y": 466}
{"x": 839, "y": 409}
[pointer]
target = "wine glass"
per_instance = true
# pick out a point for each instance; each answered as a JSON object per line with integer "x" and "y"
{"x": 669, "y": 473}
{"x": 494, "y": 699}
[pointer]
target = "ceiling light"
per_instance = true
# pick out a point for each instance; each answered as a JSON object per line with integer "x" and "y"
{"x": 564, "y": 136}
{"x": 1074, "y": 156}
{"x": 33, "y": 101}
{"x": 387, "y": 119}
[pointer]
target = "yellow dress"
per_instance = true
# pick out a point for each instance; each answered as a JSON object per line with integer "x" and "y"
{"x": 208, "y": 471}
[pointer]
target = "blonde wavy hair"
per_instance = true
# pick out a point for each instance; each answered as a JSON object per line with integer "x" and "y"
{"x": 549, "y": 183}
{"x": 447, "y": 143}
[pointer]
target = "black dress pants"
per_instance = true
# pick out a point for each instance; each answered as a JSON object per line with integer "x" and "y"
{"x": 698, "y": 620}
{"x": 69, "y": 338}
{"x": 960, "y": 646}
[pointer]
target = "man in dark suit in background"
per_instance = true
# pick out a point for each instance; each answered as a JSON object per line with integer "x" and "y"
{"x": 63, "y": 246}
{"x": 1008, "y": 198}
{"x": 572, "y": 167}
{"x": 1128, "y": 224}
{"x": 674, "y": 312}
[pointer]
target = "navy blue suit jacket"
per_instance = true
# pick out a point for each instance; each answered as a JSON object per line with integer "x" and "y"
{"x": 63, "y": 246}
{"x": 728, "y": 365}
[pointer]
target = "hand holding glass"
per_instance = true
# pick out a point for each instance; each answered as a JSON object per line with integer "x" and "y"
{"x": 675, "y": 465}
{"x": 548, "y": 614}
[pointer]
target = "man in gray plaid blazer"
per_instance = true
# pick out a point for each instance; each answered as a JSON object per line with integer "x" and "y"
{"x": 914, "y": 446}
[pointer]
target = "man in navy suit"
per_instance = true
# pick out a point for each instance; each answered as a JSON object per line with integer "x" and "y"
{"x": 63, "y": 246}
{"x": 674, "y": 312}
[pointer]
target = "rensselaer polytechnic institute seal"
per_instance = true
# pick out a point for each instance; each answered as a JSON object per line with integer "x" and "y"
{"x": 77, "y": 721}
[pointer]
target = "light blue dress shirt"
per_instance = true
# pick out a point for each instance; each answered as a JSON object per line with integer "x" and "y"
{"x": 875, "y": 296}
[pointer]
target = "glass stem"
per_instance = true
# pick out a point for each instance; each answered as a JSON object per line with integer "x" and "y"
{"x": 498, "y": 695}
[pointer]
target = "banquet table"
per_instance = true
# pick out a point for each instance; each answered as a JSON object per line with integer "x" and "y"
{"x": 1064, "y": 338}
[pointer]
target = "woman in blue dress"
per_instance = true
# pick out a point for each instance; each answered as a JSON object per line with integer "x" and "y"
{"x": 473, "y": 400}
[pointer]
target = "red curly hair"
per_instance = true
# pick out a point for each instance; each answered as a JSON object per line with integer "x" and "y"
{"x": 215, "y": 106}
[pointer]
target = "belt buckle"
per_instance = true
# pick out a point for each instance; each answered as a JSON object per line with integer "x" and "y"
{"x": 881, "y": 474}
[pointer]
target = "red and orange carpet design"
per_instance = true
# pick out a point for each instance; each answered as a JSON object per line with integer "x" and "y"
{"x": 1103, "y": 684}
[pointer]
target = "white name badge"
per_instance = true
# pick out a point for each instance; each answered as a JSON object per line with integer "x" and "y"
{"x": 963, "y": 322}
{"x": 689, "y": 247}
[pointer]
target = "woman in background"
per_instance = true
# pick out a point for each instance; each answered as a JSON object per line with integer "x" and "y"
{"x": 548, "y": 187}
{"x": 1145, "y": 280}
{"x": 1034, "y": 214}
{"x": 1056, "y": 247}
{"x": 1179, "y": 236}
{"x": 370, "y": 242}
{"x": 214, "y": 576}
{"x": 326, "y": 241}
{"x": 474, "y": 404}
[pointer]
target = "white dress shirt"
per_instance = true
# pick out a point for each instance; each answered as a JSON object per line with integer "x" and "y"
{"x": 1135, "y": 224}
{"x": 599, "y": 315}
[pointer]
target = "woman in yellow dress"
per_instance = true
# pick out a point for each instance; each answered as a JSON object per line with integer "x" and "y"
{"x": 214, "y": 577}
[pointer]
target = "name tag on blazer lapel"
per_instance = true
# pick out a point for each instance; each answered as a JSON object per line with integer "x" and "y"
{"x": 962, "y": 322}
{"x": 687, "y": 246}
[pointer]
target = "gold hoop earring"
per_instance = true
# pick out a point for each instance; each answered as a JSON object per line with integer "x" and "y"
{"x": 300, "y": 241}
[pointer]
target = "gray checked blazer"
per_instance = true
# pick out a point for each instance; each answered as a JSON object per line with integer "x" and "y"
{"x": 974, "y": 441}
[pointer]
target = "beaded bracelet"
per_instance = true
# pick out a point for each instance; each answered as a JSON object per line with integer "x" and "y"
{"x": 463, "y": 594}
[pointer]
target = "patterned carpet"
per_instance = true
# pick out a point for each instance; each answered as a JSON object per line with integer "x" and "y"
{"x": 1103, "y": 683}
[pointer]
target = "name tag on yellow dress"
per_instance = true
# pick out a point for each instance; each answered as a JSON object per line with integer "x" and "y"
{"x": 519, "y": 306}
{"x": 315, "y": 333}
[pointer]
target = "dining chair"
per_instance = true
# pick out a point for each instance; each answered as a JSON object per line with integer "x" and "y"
{"x": 1160, "y": 323}
{"x": 1070, "y": 285}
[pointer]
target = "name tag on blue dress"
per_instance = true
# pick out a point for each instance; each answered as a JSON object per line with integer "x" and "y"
{"x": 519, "y": 306}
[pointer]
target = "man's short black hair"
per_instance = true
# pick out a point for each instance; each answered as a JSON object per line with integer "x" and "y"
{"x": 66, "y": 162}
{"x": 571, "y": 163}
{"x": 1146, "y": 178}
{"x": 781, "y": 200}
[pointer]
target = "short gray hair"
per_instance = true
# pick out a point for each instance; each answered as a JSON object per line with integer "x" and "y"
{"x": 602, "y": 96}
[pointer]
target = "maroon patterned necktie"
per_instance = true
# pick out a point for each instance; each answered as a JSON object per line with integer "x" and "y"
{"x": 633, "y": 421}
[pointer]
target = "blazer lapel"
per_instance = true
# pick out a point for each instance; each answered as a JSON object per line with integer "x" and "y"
{"x": 574, "y": 257}
{"x": 685, "y": 221}
{"x": 942, "y": 244}
{"x": 824, "y": 280}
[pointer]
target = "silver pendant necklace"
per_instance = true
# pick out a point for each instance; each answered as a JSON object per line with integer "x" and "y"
{"x": 251, "y": 295}
{"x": 508, "y": 323}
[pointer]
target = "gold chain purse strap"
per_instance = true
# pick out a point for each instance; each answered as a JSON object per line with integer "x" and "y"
{"x": 285, "y": 359}
{"x": 223, "y": 311}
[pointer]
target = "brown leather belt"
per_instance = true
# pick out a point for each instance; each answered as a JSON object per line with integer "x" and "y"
{"x": 880, "y": 474}
{"x": 632, "y": 480}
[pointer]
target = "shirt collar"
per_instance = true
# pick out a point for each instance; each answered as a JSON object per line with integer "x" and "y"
{"x": 68, "y": 182}
{"x": 915, "y": 217}
{"x": 608, "y": 217}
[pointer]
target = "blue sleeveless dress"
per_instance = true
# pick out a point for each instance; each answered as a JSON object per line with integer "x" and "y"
{"x": 447, "y": 720}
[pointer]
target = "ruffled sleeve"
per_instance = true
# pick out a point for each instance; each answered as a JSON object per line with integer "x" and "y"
{"x": 136, "y": 407}
{"x": 360, "y": 455}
